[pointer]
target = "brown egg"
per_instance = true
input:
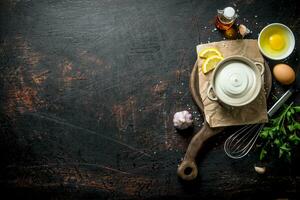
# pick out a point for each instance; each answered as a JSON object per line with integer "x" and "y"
{"x": 284, "y": 74}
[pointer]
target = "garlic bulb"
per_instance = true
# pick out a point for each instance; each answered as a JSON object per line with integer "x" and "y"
{"x": 182, "y": 120}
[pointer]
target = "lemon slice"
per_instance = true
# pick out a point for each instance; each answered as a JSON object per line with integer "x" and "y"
{"x": 210, "y": 63}
{"x": 208, "y": 52}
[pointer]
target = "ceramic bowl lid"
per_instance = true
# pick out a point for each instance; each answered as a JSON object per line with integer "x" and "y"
{"x": 237, "y": 82}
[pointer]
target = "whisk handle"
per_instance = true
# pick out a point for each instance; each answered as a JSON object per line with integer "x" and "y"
{"x": 188, "y": 170}
{"x": 280, "y": 102}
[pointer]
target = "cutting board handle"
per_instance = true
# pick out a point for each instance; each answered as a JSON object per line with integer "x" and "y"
{"x": 188, "y": 169}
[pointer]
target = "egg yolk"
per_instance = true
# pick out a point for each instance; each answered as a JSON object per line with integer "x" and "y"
{"x": 276, "y": 41}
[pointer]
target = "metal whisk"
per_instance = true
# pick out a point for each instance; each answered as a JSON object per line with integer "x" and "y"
{"x": 241, "y": 142}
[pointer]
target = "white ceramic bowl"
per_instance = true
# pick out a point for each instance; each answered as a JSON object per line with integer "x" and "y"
{"x": 236, "y": 81}
{"x": 290, "y": 43}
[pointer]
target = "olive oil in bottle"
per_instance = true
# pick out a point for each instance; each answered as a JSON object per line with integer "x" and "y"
{"x": 225, "y": 18}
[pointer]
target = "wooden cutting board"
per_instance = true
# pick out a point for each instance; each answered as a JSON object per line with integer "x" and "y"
{"x": 188, "y": 170}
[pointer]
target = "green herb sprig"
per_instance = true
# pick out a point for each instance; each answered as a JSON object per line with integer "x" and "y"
{"x": 281, "y": 134}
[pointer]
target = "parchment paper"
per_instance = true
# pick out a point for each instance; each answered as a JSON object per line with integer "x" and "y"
{"x": 218, "y": 115}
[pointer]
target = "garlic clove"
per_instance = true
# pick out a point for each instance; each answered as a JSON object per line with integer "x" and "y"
{"x": 260, "y": 170}
{"x": 243, "y": 30}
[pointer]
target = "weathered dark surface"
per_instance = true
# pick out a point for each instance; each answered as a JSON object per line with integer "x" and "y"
{"x": 88, "y": 90}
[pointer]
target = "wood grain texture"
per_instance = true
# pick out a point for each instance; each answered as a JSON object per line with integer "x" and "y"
{"x": 88, "y": 90}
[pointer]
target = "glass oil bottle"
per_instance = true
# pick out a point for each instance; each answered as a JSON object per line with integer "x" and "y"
{"x": 225, "y": 18}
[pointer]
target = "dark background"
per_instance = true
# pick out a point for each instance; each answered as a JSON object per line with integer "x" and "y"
{"x": 88, "y": 89}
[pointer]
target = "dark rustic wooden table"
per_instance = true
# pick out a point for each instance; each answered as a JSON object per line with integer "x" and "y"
{"x": 88, "y": 89}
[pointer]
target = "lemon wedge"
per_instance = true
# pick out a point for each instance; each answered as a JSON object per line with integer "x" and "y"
{"x": 210, "y": 63}
{"x": 208, "y": 52}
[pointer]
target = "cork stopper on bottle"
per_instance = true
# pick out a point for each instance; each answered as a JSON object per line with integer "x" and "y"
{"x": 229, "y": 13}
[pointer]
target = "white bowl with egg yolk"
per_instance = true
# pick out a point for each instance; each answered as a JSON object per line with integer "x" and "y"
{"x": 276, "y": 41}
